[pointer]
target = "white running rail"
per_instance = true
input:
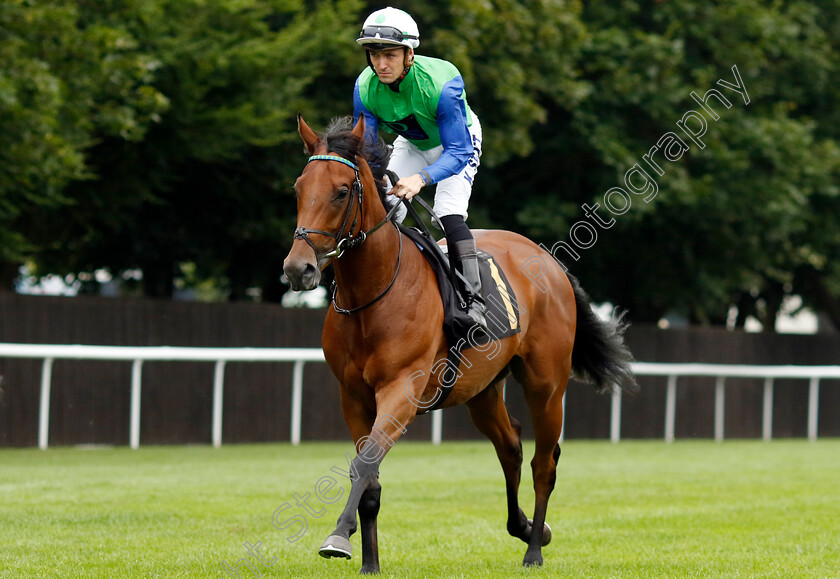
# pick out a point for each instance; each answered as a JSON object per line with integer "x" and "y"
{"x": 164, "y": 353}
{"x": 300, "y": 356}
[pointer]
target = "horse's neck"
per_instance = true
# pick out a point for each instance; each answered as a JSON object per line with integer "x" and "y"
{"x": 365, "y": 271}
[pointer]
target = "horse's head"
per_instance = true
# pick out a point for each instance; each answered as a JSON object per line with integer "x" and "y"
{"x": 330, "y": 203}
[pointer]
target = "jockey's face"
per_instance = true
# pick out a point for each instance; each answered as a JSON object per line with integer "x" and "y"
{"x": 390, "y": 63}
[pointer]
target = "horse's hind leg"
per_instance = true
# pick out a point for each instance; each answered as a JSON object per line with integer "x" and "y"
{"x": 545, "y": 401}
{"x": 490, "y": 415}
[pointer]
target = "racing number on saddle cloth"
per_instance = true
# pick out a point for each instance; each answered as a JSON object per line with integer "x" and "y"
{"x": 408, "y": 128}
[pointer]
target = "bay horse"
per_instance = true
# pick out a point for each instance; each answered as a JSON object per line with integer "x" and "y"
{"x": 383, "y": 336}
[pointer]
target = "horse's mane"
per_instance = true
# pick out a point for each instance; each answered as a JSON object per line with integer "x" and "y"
{"x": 341, "y": 141}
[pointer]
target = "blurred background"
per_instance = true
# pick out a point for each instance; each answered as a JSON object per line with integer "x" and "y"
{"x": 148, "y": 149}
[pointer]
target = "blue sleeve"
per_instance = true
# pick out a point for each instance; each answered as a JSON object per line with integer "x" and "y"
{"x": 371, "y": 122}
{"x": 454, "y": 132}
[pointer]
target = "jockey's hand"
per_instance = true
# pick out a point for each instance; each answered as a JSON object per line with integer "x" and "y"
{"x": 408, "y": 187}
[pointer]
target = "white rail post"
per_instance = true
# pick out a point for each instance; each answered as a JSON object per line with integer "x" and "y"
{"x": 218, "y": 399}
{"x": 44, "y": 413}
{"x": 670, "y": 408}
{"x": 134, "y": 425}
{"x": 563, "y": 425}
{"x": 437, "y": 426}
{"x": 615, "y": 416}
{"x": 813, "y": 407}
{"x": 767, "y": 414}
{"x": 720, "y": 396}
{"x": 297, "y": 400}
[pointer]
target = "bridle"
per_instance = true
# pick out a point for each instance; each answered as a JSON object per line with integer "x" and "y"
{"x": 350, "y": 240}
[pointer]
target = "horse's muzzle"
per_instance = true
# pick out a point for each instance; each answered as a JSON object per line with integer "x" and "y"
{"x": 302, "y": 274}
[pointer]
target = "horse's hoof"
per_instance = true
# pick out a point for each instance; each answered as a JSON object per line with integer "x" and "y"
{"x": 546, "y": 538}
{"x": 369, "y": 570}
{"x": 336, "y": 546}
{"x": 532, "y": 560}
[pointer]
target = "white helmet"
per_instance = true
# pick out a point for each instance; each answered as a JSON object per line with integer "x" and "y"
{"x": 389, "y": 27}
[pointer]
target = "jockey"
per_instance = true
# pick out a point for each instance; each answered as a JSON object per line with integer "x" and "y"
{"x": 423, "y": 101}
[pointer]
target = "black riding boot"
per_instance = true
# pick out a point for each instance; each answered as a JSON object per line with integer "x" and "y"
{"x": 463, "y": 256}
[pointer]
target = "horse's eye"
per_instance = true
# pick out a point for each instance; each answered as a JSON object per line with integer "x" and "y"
{"x": 342, "y": 193}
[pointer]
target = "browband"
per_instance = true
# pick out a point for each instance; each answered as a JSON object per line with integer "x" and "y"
{"x": 354, "y": 166}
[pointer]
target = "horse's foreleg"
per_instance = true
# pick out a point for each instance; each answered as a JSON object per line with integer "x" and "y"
{"x": 394, "y": 414}
{"x": 364, "y": 475}
{"x": 359, "y": 408}
{"x": 368, "y": 511}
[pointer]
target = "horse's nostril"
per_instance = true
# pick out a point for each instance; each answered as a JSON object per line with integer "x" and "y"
{"x": 302, "y": 275}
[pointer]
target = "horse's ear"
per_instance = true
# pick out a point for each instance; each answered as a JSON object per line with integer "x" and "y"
{"x": 359, "y": 129}
{"x": 310, "y": 139}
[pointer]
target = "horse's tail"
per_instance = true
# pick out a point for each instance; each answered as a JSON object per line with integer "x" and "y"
{"x": 600, "y": 355}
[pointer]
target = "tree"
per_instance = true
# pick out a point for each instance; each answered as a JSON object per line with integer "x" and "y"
{"x": 57, "y": 84}
{"x": 205, "y": 181}
{"x": 731, "y": 223}
{"x": 160, "y": 135}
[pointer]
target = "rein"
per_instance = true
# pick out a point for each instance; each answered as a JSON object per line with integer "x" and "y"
{"x": 341, "y": 310}
{"x": 350, "y": 241}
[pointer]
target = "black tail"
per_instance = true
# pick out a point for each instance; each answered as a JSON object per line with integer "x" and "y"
{"x": 600, "y": 355}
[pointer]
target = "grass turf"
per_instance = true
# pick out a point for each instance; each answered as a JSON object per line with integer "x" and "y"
{"x": 636, "y": 509}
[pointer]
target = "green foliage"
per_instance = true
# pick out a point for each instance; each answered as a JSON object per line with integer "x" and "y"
{"x": 154, "y": 134}
{"x": 514, "y": 55}
{"x": 58, "y": 85}
{"x": 732, "y": 223}
{"x": 203, "y": 178}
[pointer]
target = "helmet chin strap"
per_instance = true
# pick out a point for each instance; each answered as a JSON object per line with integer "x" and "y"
{"x": 395, "y": 86}
{"x": 407, "y": 64}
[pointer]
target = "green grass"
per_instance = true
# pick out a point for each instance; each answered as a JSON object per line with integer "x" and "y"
{"x": 636, "y": 509}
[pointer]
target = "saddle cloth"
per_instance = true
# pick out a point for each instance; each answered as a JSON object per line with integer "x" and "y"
{"x": 502, "y": 310}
